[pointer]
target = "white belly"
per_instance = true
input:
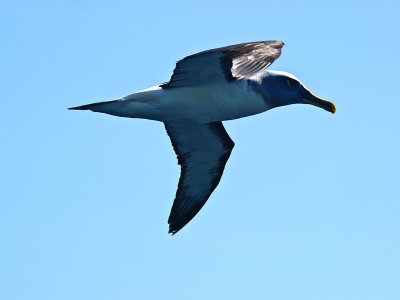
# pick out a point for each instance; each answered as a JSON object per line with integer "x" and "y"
{"x": 199, "y": 105}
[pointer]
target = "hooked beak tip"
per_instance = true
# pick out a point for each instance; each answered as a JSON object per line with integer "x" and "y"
{"x": 333, "y": 108}
{"x": 310, "y": 98}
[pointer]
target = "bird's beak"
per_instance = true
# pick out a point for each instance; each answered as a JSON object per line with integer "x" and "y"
{"x": 310, "y": 98}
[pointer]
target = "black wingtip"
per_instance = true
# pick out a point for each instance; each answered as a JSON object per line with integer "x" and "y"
{"x": 173, "y": 229}
{"x": 179, "y": 216}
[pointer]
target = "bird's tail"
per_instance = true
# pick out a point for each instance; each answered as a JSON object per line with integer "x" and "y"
{"x": 113, "y": 107}
{"x": 128, "y": 108}
{"x": 98, "y": 106}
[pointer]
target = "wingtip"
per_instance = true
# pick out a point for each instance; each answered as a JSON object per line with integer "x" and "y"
{"x": 280, "y": 43}
{"x": 172, "y": 231}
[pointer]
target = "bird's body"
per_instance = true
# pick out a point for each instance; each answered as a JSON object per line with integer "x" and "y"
{"x": 211, "y": 102}
{"x": 207, "y": 88}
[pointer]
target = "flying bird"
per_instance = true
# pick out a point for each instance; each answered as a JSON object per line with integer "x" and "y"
{"x": 205, "y": 89}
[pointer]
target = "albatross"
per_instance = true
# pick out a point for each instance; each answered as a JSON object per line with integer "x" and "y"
{"x": 205, "y": 89}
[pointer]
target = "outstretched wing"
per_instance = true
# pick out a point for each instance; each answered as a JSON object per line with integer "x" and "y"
{"x": 202, "y": 152}
{"x": 226, "y": 63}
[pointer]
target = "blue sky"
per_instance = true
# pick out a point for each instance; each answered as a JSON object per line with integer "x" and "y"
{"x": 308, "y": 207}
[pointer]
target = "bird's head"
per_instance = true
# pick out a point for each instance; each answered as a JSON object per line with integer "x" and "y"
{"x": 283, "y": 88}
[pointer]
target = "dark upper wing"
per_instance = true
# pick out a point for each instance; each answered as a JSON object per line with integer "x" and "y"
{"x": 202, "y": 151}
{"x": 226, "y": 63}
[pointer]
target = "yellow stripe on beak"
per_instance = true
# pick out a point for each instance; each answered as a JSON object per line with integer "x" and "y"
{"x": 310, "y": 98}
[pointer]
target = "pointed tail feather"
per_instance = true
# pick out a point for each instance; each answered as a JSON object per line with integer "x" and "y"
{"x": 128, "y": 108}
{"x": 91, "y": 106}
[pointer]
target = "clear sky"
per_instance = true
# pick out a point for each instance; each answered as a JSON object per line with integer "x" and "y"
{"x": 308, "y": 207}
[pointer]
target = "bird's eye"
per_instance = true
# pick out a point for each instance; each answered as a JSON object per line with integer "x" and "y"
{"x": 290, "y": 82}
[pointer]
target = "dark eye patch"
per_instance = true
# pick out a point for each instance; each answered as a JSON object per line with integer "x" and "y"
{"x": 291, "y": 82}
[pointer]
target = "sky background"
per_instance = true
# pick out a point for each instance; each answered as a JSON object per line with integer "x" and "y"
{"x": 308, "y": 207}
